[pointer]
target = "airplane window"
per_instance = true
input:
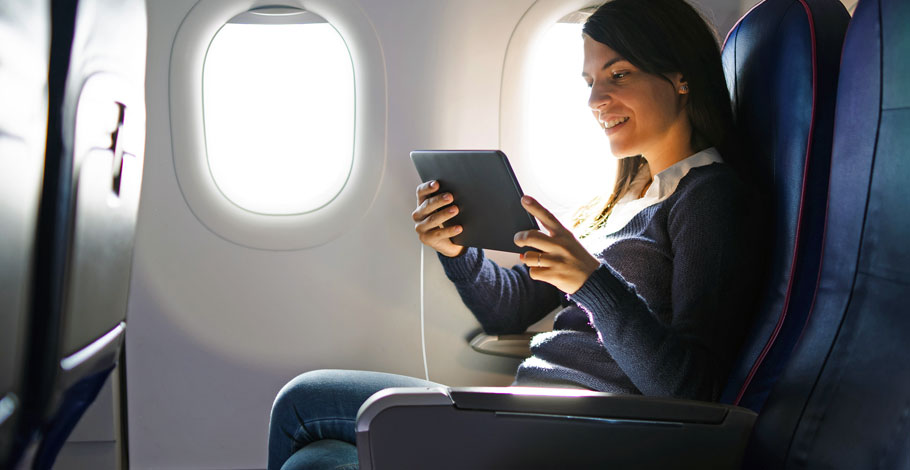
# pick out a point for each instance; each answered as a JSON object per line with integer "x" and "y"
{"x": 568, "y": 154}
{"x": 278, "y": 108}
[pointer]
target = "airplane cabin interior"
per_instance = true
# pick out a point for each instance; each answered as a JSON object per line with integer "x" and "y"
{"x": 201, "y": 200}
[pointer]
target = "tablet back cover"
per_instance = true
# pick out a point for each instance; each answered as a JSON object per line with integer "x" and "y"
{"x": 486, "y": 192}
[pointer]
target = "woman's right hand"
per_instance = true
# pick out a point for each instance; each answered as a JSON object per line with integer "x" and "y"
{"x": 429, "y": 216}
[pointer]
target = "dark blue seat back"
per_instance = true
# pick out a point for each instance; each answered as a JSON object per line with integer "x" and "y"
{"x": 781, "y": 63}
{"x": 843, "y": 401}
{"x": 24, "y": 44}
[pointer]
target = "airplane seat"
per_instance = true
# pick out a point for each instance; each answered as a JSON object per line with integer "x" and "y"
{"x": 24, "y": 51}
{"x": 781, "y": 61}
{"x": 87, "y": 215}
{"x": 844, "y": 398}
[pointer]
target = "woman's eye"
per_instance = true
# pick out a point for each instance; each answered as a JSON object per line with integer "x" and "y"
{"x": 619, "y": 75}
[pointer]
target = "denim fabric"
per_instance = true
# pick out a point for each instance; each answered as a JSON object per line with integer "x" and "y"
{"x": 324, "y": 454}
{"x": 313, "y": 417}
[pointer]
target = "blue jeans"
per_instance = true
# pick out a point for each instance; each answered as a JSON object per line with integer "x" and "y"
{"x": 312, "y": 421}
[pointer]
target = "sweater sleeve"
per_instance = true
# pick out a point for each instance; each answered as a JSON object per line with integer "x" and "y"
{"x": 504, "y": 300}
{"x": 685, "y": 358}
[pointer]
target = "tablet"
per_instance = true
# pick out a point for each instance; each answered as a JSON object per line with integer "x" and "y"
{"x": 486, "y": 192}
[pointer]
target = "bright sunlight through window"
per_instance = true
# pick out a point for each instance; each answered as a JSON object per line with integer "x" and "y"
{"x": 569, "y": 155}
{"x": 278, "y": 104}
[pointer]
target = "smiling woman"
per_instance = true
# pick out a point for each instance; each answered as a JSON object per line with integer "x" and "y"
{"x": 627, "y": 64}
{"x": 649, "y": 293}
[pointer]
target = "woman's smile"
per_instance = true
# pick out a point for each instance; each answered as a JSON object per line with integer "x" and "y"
{"x": 611, "y": 125}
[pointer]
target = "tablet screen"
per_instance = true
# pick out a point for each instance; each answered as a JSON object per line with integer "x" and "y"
{"x": 486, "y": 192}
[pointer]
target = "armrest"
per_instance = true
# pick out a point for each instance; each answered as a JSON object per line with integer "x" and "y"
{"x": 524, "y": 427}
{"x": 503, "y": 345}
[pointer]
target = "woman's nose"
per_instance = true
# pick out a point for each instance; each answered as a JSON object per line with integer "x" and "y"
{"x": 598, "y": 98}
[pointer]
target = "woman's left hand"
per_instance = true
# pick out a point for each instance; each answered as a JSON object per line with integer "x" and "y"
{"x": 560, "y": 258}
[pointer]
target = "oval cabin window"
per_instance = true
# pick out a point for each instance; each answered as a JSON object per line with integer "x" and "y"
{"x": 278, "y": 109}
{"x": 569, "y": 154}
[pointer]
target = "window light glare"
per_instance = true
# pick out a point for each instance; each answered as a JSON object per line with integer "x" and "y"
{"x": 569, "y": 156}
{"x": 278, "y": 105}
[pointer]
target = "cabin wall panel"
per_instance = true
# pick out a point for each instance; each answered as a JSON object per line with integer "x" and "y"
{"x": 444, "y": 88}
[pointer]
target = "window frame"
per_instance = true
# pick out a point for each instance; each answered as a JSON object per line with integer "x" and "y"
{"x": 196, "y": 183}
{"x": 515, "y": 107}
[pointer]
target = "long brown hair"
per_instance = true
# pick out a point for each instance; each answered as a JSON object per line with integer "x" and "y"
{"x": 593, "y": 215}
{"x": 662, "y": 37}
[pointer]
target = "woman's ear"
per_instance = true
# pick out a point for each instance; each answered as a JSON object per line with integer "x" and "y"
{"x": 680, "y": 83}
{"x": 681, "y": 87}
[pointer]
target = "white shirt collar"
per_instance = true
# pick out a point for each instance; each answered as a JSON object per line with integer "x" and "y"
{"x": 666, "y": 181}
{"x": 662, "y": 187}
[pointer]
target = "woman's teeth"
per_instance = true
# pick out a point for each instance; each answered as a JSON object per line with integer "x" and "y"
{"x": 614, "y": 122}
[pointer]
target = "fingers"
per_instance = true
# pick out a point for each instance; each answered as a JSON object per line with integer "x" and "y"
{"x": 540, "y": 266}
{"x": 430, "y": 205}
{"x": 536, "y": 259}
{"x": 429, "y": 216}
{"x": 435, "y": 219}
{"x": 425, "y": 189}
{"x": 433, "y": 236}
{"x": 558, "y": 257}
{"x": 541, "y": 274}
{"x": 537, "y": 240}
{"x": 549, "y": 221}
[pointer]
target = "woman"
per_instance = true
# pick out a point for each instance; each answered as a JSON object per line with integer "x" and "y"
{"x": 655, "y": 289}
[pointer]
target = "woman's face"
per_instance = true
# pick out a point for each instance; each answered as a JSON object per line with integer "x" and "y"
{"x": 641, "y": 113}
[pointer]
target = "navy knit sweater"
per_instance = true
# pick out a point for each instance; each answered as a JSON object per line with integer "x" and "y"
{"x": 664, "y": 314}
